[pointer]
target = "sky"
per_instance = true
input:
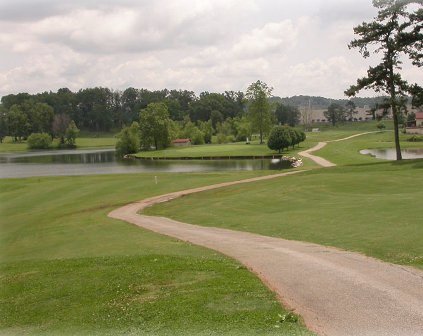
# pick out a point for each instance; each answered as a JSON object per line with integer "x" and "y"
{"x": 295, "y": 46}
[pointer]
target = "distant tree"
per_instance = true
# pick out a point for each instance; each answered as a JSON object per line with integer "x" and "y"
{"x": 396, "y": 31}
{"x": 190, "y": 131}
{"x": 10, "y": 100}
{"x": 243, "y": 129}
{"x": 207, "y": 128}
{"x": 259, "y": 109}
{"x": 18, "y": 123}
{"x": 417, "y": 95}
{"x": 335, "y": 113}
{"x": 197, "y": 136}
{"x": 287, "y": 114}
{"x": 380, "y": 125}
{"x": 40, "y": 116}
{"x": 39, "y": 141}
{"x": 350, "y": 110}
{"x": 279, "y": 138}
{"x": 303, "y": 136}
{"x": 128, "y": 140}
{"x": 295, "y": 136}
{"x": 216, "y": 117}
{"x": 4, "y": 125}
{"x": 411, "y": 118}
{"x": 71, "y": 134}
{"x": 60, "y": 125}
{"x": 155, "y": 126}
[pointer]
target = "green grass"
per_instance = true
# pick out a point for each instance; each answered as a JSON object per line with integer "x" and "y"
{"x": 348, "y": 152}
{"x": 68, "y": 269}
{"x": 374, "y": 209}
{"x": 232, "y": 149}
{"x": 83, "y": 142}
{"x": 326, "y": 132}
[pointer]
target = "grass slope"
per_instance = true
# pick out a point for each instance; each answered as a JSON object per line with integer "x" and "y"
{"x": 85, "y": 141}
{"x": 348, "y": 152}
{"x": 326, "y": 132}
{"x": 68, "y": 269}
{"x": 372, "y": 206}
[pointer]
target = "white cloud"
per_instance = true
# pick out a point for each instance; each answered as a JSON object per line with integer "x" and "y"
{"x": 273, "y": 37}
{"x": 296, "y": 46}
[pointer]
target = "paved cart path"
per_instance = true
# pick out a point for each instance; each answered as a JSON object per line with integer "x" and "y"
{"x": 321, "y": 161}
{"x": 336, "y": 292}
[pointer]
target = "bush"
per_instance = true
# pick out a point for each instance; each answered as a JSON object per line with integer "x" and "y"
{"x": 129, "y": 140}
{"x": 71, "y": 133}
{"x": 230, "y": 138}
{"x": 279, "y": 138}
{"x": 221, "y": 138}
{"x": 415, "y": 138}
{"x": 197, "y": 136}
{"x": 380, "y": 125}
{"x": 39, "y": 141}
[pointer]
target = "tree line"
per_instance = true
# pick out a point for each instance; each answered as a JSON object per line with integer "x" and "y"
{"x": 102, "y": 110}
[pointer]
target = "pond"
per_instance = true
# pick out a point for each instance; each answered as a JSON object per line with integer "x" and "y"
{"x": 390, "y": 153}
{"x": 85, "y": 162}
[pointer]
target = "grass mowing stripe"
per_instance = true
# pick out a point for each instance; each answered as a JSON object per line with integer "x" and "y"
{"x": 372, "y": 209}
{"x": 68, "y": 269}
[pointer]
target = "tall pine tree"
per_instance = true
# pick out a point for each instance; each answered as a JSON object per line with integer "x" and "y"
{"x": 394, "y": 33}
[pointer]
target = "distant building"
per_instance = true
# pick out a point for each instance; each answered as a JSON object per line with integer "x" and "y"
{"x": 419, "y": 119}
{"x": 181, "y": 142}
{"x": 417, "y": 125}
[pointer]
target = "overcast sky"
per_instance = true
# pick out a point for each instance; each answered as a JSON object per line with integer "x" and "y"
{"x": 295, "y": 46}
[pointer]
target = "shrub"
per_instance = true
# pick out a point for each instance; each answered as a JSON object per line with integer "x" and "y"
{"x": 230, "y": 138}
{"x": 279, "y": 138}
{"x": 39, "y": 141}
{"x": 71, "y": 133}
{"x": 129, "y": 140}
{"x": 197, "y": 136}
{"x": 380, "y": 125}
{"x": 221, "y": 138}
{"x": 415, "y": 138}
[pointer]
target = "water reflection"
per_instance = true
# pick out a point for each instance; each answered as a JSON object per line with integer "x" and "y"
{"x": 83, "y": 162}
{"x": 390, "y": 153}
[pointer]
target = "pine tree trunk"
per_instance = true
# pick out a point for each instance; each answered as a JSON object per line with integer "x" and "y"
{"x": 396, "y": 132}
{"x": 394, "y": 110}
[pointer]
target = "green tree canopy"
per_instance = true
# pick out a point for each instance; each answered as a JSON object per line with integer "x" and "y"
{"x": 4, "y": 125}
{"x": 128, "y": 140}
{"x": 335, "y": 113}
{"x": 155, "y": 126}
{"x": 279, "y": 138}
{"x": 60, "y": 125}
{"x": 287, "y": 114}
{"x": 18, "y": 123}
{"x": 394, "y": 32}
{"x": 259, "y": 109}
{"x": 71, "y": 134}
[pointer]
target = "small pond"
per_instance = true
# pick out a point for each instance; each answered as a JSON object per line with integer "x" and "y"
{"x": 84, "y": 162}
{"x": 390, "y": 153}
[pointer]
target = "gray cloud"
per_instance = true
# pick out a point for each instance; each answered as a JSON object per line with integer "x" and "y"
{"x": 297, "y": 46}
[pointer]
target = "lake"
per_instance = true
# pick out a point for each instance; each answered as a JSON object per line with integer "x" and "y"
{"x": 390, "y": 153}
{"x": 86, "y": 162}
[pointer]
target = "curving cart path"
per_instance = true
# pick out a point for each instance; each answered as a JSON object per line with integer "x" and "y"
{"x": 336, "y": 292}
{"x": 321, "y": 161}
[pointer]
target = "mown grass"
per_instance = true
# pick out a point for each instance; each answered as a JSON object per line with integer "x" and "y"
{"x": 220, "y": 150}
{"x": 68, "y": 269}
{"x": 85, "y": 141}
{"x": 348, "y": 152}
{"x": 326, "y": 132}
{"x": 374, "y": 209}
